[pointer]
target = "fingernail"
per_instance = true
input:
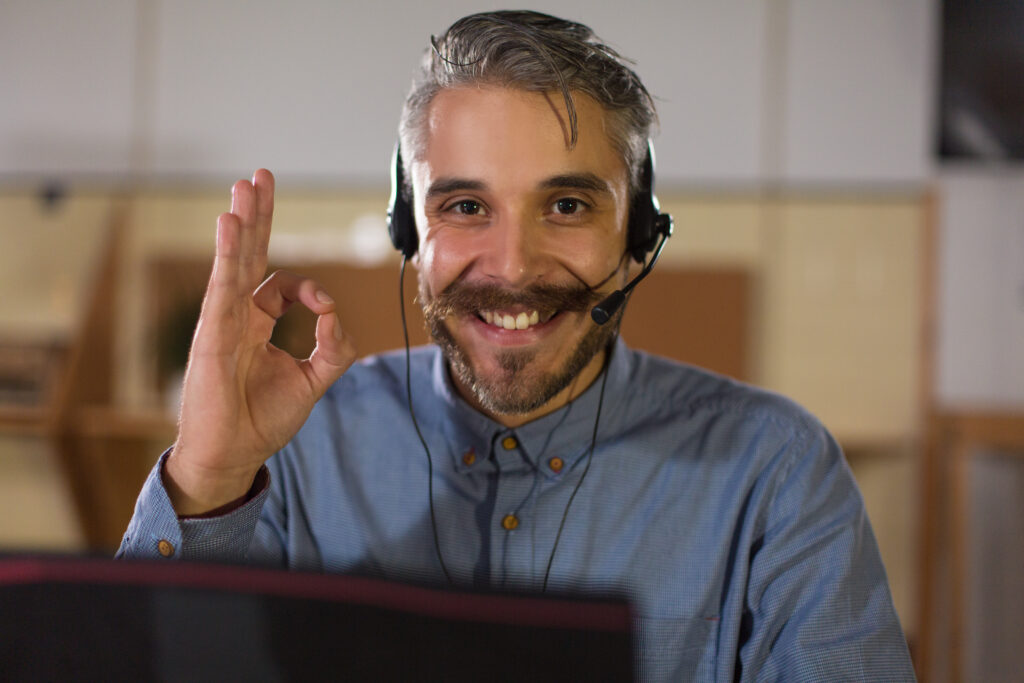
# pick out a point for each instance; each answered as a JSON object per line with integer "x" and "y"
{"x": 323, "y": 297}
{"x": 338, "y": 332}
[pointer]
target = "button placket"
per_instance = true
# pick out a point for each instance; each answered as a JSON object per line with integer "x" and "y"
{"x": 510, "y": 538}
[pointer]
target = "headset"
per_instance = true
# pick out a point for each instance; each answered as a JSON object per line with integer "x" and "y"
{"x": 646, "y": 225}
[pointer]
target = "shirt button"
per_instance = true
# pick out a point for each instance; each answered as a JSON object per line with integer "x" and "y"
{"x": 469, "y": 457}
{"x": 509, "y": 442}
{"x": 556, "y": 464}
{"x": 509, "y": 522}
{"x": 165, "y": 548}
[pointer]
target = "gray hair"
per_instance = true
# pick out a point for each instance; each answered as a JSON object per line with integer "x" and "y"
{"x": 537, "y": 53}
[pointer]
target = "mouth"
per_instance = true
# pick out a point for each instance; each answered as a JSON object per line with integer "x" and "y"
{"x": 515, "y": 320}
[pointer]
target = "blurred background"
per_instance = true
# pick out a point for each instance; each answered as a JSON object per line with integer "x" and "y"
{"x": 847, "y": 182}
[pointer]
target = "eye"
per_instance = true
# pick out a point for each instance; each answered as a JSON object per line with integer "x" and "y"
{"x": 569, "y": 206}
{"x": 467, "y": 207}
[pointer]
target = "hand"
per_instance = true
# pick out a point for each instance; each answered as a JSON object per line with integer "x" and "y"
{"x": 243, "y": 398}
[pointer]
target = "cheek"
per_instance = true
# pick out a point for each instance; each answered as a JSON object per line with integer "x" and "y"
{"x": 440, "y": 262}
{"x": 595, "y": 258}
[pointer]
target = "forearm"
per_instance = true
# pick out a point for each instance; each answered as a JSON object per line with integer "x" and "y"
{"x": 221, "y": 535}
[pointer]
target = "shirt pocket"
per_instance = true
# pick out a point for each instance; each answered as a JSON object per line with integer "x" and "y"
{"x": 678, "y": 649}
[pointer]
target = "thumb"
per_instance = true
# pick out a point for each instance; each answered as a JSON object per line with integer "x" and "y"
{"x": 333, "y": 355}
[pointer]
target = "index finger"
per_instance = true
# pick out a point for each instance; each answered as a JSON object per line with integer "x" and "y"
{"x": 279, "y": 291}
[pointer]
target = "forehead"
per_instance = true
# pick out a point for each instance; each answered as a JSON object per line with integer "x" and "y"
{"x": 515, "y": 134}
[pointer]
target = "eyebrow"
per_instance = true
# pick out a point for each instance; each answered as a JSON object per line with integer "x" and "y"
{"x": 573, "y": 181}
{"x": 577, "y": 181}
{"x": 448, "y": 185}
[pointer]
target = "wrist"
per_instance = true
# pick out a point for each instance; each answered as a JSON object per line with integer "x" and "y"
{"x": 196, "y": 491}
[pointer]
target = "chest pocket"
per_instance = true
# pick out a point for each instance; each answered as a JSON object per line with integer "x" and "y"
{"x": 676, "y": 649}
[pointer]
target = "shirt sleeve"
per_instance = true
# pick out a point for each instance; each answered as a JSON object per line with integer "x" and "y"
{"x": 818, "y": 606}
{"x": 156, "y": 531}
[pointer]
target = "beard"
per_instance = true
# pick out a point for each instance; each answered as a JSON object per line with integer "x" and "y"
{"x": 519, "y": 387}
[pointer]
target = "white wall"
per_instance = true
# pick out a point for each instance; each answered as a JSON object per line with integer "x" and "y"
{"x": 313, "y": 89}
{"x": 980, "y": 348}
{"x": 858, "y": 91}
{"x": 66, "y": 95}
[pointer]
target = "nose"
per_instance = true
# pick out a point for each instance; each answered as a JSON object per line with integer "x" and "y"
{"x": 514, "y": 251}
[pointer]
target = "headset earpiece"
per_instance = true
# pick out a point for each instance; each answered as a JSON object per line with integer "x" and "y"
{"x": 401, "y": 222}
{"x": 648, "y": 230}
{"x": 646, "y": 222}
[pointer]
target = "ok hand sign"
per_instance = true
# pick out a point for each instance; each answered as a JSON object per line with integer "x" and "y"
{"x": 244, "y": 398}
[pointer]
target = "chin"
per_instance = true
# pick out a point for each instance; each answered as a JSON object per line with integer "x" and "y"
{"x": 512, "y": 383}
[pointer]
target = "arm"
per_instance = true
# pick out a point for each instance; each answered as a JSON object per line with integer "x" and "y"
{"x": 818, "y": 602}
{"x": 243, "y": 398}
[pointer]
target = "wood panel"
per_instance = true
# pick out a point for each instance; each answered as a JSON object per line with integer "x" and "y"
{"x": 842, "y": 318}
{"x": 695, "y": 315}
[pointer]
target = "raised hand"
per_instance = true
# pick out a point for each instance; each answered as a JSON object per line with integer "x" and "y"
{"x": 244, "y": 398}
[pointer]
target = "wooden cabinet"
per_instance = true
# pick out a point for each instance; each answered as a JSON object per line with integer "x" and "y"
{"x": 104, "y": 451}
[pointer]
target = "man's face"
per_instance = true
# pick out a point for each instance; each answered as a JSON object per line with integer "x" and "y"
{"x": 519, "y": 237}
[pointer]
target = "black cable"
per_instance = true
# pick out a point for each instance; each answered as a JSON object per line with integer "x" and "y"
{"x": 430, "y": 461}
{"x": 412, "y": 414}
{"x": 590, "y": 459}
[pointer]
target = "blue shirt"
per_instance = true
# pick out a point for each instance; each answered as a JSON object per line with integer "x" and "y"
{"x": 727, "y": 514}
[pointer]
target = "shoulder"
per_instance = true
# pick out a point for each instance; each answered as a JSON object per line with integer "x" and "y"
{"x": 725, "y": 428}
{"x": 688, "y": 394}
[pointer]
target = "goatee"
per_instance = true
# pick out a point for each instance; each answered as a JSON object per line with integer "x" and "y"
{"x": 519, "y": 388}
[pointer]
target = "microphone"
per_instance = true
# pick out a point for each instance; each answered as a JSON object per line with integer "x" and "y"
{"x": 604, "y": 311}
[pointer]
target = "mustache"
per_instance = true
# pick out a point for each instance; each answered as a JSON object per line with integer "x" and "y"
{"x": 461, "y": 298}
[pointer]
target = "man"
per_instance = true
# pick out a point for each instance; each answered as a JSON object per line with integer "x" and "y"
{"x": 556, "y": 457}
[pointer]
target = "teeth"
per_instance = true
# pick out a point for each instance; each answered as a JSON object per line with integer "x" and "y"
{"x": 521, "y": 321}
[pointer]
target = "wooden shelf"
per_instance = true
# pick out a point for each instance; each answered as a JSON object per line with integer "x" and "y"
{"x": 26, "y": 420}
{"x": 115, "y": 423}
{"x": 105, "y": 452}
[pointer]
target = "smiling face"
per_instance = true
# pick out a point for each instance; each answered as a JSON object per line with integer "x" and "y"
{"x": 519, "y": 237}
